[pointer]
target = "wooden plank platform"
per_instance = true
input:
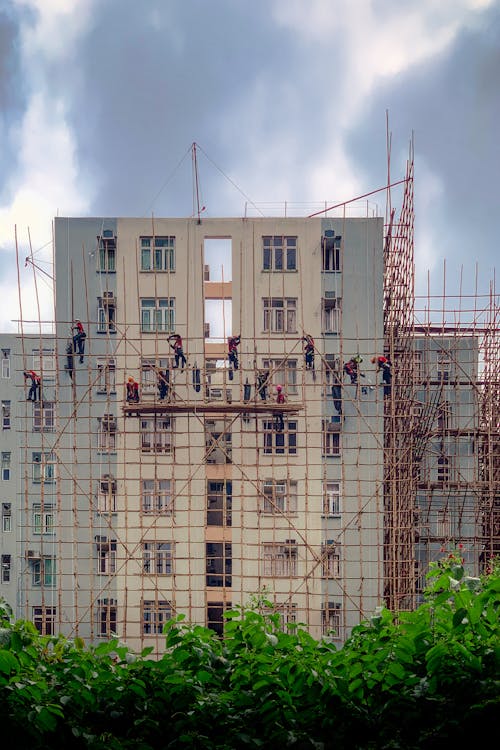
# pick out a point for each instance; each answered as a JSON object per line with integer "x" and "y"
{"x": 210, "y": 407}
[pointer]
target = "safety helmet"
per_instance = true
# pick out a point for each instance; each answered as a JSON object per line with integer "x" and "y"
{"x": 278, "y": 387}
{"x": 374, "y": 359}
{"x": 131, "y": 380}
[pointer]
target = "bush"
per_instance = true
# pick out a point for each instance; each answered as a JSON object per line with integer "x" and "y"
{"x": 408, "y": 680}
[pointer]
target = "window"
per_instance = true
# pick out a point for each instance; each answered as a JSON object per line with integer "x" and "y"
{"x": 106, "y": 370}
{"x": 280, "y": 315}
{"x": 158, "y": 315}
{"x": 106, "y": 495}
{"x": 44, "y": 363}
{"x": 215, "y": 616}
{"x": 6, "y": 564}
{"x": 156, "y": 435}
{"x": 106, "y": 313}
{"x": 6, "y": 517}
{"x": 284, "y": 372}
{"x": 279, "y": 497}
{"x": 417, "y": 365}
{"x": 280, "y": 443}
{"x": 106, "y": 555}
{"x": 107, "y": 252}
{"x": 157, "y": 253}
{"x": 444, "y": 415}
{"x": 44, "y": 620}
{"x": 330, "y": 251}
{"x": 157, "y": 558}
{"x": 43, "y": 572}
{"x": 106, "y": 617}
{"x": 287, "y": 612}
{"x": 219, "y": 563}
{"x": 43, "y": 518}
{"x": 279, "y": 253}
{"x": 280, "y": 560}
{"x": 331, "y": 619}
{"x": 218, "y": 442}
{"x": 5, "y": 363}
{"x": 5, "y": 415}
{"x": 219, "y": 503}
{"x": 106, "y": 433}
{"x": 331, "y": 499}
{"x": 6, "y": 455}
{"x": 443, "y": 365}
{"x": 154, "y": 616}
{"x": 149, "y": 373}
{"x": 443, "y": 523}
{"x": 331, "y": 438}
{"x": 443, "y": 469}
{"x": 43, "y": 416}
{"x": 330, "y": 559}
{"x": 157, "y": 496}
{"x": 331, "y": 314}
{"x": 44, "y": 467}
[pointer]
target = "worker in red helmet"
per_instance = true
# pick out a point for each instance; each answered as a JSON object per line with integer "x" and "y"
{"x": 280, "y": 399}
{"x": 79, "y": 337}
{"x": 132, "y": 390}
{"x": 384, "y": 364}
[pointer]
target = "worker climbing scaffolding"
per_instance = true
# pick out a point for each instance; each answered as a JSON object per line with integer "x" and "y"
{"x": 132, "y": 390}
{"x": 233, "y": 343}
{"x": 34, "y": 393}
{"x": 177, "y": 346}
{"x": 79, "y": 337}
{"x": 308, "y": 351}
{"x": 351, "y": 368}
{"x": 280, "y": 399}
{"x": 262, "y": 383}
{"x": 384, "y": 366}
{"x": 163, "y": 377}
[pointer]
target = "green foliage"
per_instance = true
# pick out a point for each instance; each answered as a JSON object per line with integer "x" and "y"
{"x": 421, "y": 679}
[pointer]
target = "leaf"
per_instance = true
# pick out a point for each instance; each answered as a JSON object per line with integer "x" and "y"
{"x": 8, "y": 662}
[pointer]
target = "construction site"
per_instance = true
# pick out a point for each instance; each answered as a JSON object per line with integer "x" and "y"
{"x": 311, "y": 441}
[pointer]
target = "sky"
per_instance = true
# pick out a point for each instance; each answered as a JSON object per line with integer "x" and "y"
{"x": 287, "y": 100}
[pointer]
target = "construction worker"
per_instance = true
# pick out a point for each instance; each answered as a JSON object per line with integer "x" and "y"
{"x": 79, "y": 337}
{"x": 178, "y": 349}
{"x": 280, "y": 399}
{"x": 308, "y": 351}
{"x": 233, "y": 343}
{"x": 352, "y": 369}
{"x": 163, "y": 384}
{"x": 262, "y": 382}
{"x": 384, "y": 364}
{"x": 35, "y": 387}
{"x": 132, "y": 390}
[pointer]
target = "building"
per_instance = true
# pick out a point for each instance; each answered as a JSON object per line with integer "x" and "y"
{"x": 210, "y": 492}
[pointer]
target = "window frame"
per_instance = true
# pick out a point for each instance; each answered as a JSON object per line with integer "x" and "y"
{"x": 331, "y": 257}
{"x": 284, "y": 371}
{"x": 6, "y": 565}
{"x": 222, "y": 497}
{"x": 5, "y": 364}
{"x": 43, "y": 521}
{"x": 280, "y": 559}
{"x": 331, "y": 443}
{"x": 106, "y": 495}
{"x": 331, "y": 313}
{"x": 331, "y": 560}
{"x": 332, "y": 507}
{"x": 283, "y": 443}
{"x": 47, "y": 461}
{"x": 274, "y": 502}
{"x": 166, "y": 251}
{"x": 154, "y": 615}
{"x": 222, "y": 563}
{"x": 160, "y": 314}
{"x": 6, "y": 517}
{"x": 44, "y": 416}
{"x": 279, "y": 253}
{"x": 157, "y": 558}
{"x": 6, "y": 465}
{"x": 162, "y": 499}
{"x": 106, "y": 314}
{"x": 332, "y": 619}
{"x": 107, "y": 430}
{"x": 6, "y": 414}
{"x": 107, "y": 617}
{"x": 106, "y": 375}
{"x": 106, "y": 250}
{"x": 44, "y": 572}
{"x": 279, "y": 315}
{"x": 44, "y": 619}
{"x": 161, "y": 436}
{"x": 44, "y": 363}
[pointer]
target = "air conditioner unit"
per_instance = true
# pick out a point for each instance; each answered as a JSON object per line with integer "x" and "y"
{"x": 30, "y": 554}
{"x": 215, "y": 394}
